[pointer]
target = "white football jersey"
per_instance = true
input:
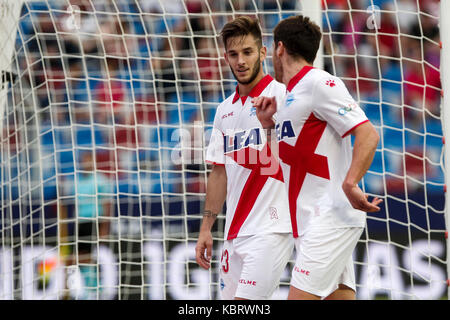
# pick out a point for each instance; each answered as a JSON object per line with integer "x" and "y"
{"x": 312, "y": 127}
{"x": 256, "y": 198}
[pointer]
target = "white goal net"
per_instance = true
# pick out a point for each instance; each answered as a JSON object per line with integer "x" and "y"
{"x": 106, "y": 107}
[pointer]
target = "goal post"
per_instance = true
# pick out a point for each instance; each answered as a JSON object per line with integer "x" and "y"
{"x": 106, "y": 108}
{"x": 10, "y": 11}
{"x": 445, "y": 108}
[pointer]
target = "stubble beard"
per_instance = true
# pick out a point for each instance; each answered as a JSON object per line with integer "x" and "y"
{"x": 254, "y": 74}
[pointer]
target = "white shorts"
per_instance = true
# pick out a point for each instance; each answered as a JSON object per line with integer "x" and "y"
{"x": 324, "y": 260}
{"x": 251, "y": 266}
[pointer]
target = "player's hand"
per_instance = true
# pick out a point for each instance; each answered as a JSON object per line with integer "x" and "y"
{"x": 203, "y": 250}
{"x": 359, "y": 200}
{"x": 265, "y": 109}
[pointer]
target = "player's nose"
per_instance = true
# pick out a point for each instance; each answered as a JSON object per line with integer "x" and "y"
{"x": 241, "y": 60}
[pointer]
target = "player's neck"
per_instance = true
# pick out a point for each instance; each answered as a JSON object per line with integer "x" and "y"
{"x": 291, "y": 69}
{"x": 245, "y": 89}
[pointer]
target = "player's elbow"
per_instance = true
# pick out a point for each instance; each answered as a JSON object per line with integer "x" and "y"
{"x": 374, "y": 137}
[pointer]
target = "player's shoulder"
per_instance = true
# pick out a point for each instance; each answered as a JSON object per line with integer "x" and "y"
{"x": 224, "y": 105}
{"x": 327, "y": 85}
{"x": 317, "y": 75}
{"x": 277, "y": 86}
{"x": 325, "y": 79}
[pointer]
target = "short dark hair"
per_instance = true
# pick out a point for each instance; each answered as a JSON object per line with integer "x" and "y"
{"x": 242, "y": 26}
{"x": 300, "y": 36}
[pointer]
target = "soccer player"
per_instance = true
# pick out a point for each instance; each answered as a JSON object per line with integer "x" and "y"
{"x": 258, "y": 232}
{"x": 313, "y": 128}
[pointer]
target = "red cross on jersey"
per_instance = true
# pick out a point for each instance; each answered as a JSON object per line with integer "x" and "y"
{"x": 313, "y": 126}
{"x": 256, "y": 200}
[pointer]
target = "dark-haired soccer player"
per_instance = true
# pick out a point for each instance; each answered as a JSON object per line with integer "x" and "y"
{"x": 321, "y": 173}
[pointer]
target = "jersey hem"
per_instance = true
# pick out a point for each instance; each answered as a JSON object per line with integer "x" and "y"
{"x": 215, "y": 163}
{"x": 234, "y": 236}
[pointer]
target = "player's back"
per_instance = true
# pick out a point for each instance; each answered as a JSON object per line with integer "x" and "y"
{"x": 313, "y": 126}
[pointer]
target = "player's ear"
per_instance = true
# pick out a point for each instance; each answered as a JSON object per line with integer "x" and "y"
{"x": 279, "y": 49}
{"x": 263, "y": 53}
{"x": 225, "y": 57}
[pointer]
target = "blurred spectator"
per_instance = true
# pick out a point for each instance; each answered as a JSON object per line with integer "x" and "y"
{"x": 93, "y": 207}
{"x": 111, "y": 96}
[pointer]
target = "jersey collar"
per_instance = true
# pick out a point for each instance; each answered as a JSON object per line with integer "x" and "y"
{"x": 295, "y": 79}
{"x": 256, "y": 90}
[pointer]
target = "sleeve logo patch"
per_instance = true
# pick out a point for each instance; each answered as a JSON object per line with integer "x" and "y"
{"x": 330, "y": 83}
{"x": 342, "y": 111}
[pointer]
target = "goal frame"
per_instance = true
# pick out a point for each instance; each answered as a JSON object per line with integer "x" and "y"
{"x": 444, "y": 28}
{"x": 311, "y": 8}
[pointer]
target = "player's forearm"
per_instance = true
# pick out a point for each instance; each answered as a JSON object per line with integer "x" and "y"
{"x": 216, "y": 192}
{"x": 364, "y": 147}
{"x": 272, "y": 141}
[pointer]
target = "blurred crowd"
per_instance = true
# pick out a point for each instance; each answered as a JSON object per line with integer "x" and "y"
{"x": 121, "y": 78}
{"x": 388, "y": 54}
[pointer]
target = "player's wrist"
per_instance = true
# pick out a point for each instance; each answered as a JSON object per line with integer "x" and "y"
{"x": 209, "y": 217}
{"x": 210, "y": 213}
{"x": 268, "y": 124}
{"x": 347, "y": 185}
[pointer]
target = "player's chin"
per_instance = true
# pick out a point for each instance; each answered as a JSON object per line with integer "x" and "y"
{"x": 243, "y": 79}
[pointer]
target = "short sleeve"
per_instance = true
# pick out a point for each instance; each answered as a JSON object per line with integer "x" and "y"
{"x": 333, "y": 103}
{"x": 215, "y": 150}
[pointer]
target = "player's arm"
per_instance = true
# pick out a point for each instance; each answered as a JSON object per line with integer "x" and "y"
{"x": 336, "y": 106}
{"x": 216, "y": 192}
{"x": 364, "y": 147}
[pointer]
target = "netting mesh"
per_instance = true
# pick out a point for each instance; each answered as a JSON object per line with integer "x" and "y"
{"x": 388, "y": 54}
{"x": 106, "y": 109}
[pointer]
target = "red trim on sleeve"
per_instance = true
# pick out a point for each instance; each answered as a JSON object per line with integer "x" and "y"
{"x": 345, "y": 134}
{"x": 215, "y": 163}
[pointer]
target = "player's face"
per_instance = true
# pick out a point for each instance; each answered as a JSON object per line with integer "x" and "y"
{"x": 244, "y": 57}
{"x": 277, "y": 66}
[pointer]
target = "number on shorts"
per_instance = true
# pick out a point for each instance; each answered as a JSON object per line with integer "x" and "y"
{"x": 224, "y": 261}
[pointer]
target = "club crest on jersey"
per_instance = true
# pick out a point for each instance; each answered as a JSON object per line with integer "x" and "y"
{"x": 284, "y": 130}
{"x": 289, "y": 99}
{"x": 342, "y": 111}
{"x": 241, "y": 139}
{"x": 252, "y": 111}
